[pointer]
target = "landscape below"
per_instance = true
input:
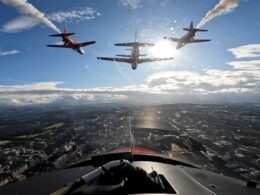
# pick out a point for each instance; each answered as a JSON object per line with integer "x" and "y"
{"x": 220, "y": 138}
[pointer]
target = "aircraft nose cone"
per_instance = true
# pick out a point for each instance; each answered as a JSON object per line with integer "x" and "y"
{"x": 81, "y": 52}
{"x": 134, "y": 67}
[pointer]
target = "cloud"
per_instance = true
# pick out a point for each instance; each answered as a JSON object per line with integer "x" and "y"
{"x": 30, "y": 87}
{"x": 204, "y": 83}
{"x": 50, "y": 92}
{"x": 131, "y": 4}
{"x": 79, "y": 14}
{"x": 26, "y": 22}
{"x": 21, "y": 100}
{"x": 20, "y": 24}
{"x": 11, "y": 52}
{"x": 246, "y": 51}
{"x": 65, "y": 98}
{"x": 253, "y": 65}
{"x": 211, "y": 86}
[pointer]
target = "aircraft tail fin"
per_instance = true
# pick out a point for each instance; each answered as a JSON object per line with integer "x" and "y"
{"x": 191, "y": 25}
{"x": 65, "y": 28}
{"x": 135, "y": 34}
{"x": 190, "y": 28}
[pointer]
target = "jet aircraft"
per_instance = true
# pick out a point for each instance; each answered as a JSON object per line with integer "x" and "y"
{"x": 188, "y": 37}
{"x": 134, "y": 59}
{"x": 68, "y": 42}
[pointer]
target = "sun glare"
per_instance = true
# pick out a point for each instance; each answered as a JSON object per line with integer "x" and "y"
{"x": 163, "y": 49}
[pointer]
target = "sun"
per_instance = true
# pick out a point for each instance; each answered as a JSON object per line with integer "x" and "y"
{"x": 163, "y": 49}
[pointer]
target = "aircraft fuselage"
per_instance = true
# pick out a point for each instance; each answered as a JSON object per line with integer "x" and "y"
{"x": 72, "y": 44}
{"x": 135, "y": 56}
{"x": 187, "y": 38}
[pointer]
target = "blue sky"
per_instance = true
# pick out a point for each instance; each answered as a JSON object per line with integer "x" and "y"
{"x": 222, "y": 70}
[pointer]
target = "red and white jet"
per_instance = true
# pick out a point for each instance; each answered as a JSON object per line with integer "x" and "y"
{"x": 188, "y": 37}
{"x": 68, "y": 42}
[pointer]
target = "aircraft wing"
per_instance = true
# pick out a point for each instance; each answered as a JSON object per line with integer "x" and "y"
{"x": 126, "y": 60}
{"x": 200, "y": 30}
{"x": 134, "y": 44}
{"x": 59, "y": 46}
{"x": 125, "y": 44}
{"x": 200, "y": 40}
{"x": 145, "y": 44}
{"x": 172, "y": 39}
{"x": 143, "y": 60}
{"x": 86, "y": 43}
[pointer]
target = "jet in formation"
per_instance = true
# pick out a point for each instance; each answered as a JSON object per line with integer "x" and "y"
{"x": 133, "y": 59}
{"x": 188, "y": 37}
{"x": 68, "y": 42}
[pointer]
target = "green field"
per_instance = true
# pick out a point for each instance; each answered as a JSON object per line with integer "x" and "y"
{"x": 27, "y": 136}
{"x": 53, "y": 126}
{"x": 44, "y": 130}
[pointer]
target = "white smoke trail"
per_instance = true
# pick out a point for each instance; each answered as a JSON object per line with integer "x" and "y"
{"x": 25, "y": 7}
{"x": 221, "y": 7}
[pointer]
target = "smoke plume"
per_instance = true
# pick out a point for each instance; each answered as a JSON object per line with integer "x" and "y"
{"x": 24, "y": 7}
{"x": 220, "y": 8}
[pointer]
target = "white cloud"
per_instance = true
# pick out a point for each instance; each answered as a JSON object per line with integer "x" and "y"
{"x": 234, "y": 90}
{"x": 50, "y": 92}
{"x": 20, "y": 24}
{"x": 206, "y": 82}
{"x": 79, "y": 14}
{"x": 246, "y": 51}
{"x": 11, "y": 52}
{"x": 132, "y": 4}
{"x": 31, "y": 99}
{"x": 27, "y": 22}
{"x": 253, "y": 65}
{"x": 163, "y": 87}
{"x": 30, "y": 87}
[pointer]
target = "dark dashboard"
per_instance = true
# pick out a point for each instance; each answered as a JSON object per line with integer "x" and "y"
{"x": 176, "y": 178}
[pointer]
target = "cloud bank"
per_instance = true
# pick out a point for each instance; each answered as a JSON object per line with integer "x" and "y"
{"x": 211, "y": 86}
